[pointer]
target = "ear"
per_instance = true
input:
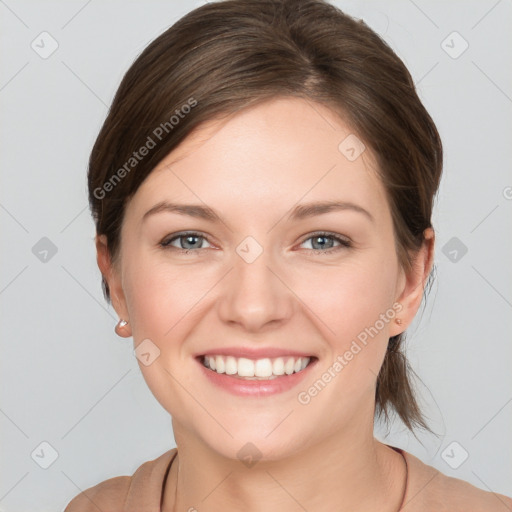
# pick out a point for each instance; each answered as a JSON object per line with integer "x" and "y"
{"x": 112, "y": 275}
{"x": 412, "y": 284}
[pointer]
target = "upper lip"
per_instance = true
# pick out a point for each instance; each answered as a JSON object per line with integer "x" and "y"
{"x": 254, "y": 353}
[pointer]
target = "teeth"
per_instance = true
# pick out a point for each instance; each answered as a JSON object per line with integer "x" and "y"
{"x": 289, "y": 366}
{"x": 264, "y": 369}
{"x": 220, "y": 365}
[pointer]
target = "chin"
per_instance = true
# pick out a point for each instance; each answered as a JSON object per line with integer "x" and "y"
{"x": 251, "y": 445}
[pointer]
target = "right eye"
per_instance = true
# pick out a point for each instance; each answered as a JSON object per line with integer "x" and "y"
{"x": 188, "y": 242}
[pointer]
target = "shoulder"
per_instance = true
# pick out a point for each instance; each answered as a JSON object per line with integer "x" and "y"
{"x": 429, "y": 489}
{"x": 121, "y": 492}
{"x": 106, "y": 496}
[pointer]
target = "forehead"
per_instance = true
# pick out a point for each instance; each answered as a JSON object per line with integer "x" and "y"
{"x": 267, "y": 157}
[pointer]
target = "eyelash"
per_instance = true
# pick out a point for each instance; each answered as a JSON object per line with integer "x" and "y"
{"x": 344, "y": 243}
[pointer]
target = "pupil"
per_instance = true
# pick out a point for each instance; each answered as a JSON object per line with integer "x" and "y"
{"x": 319, "y": 240}
{"x": 189, "y": 238}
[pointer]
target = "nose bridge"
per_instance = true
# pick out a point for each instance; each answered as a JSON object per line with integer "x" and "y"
{"x": 253, "y": 295}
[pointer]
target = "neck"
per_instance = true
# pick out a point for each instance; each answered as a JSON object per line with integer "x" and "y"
{"x": 354, "y": 476}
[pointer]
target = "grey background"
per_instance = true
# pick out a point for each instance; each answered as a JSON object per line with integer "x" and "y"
{"x": 69, "y": 381}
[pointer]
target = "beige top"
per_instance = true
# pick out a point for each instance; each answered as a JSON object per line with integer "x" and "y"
{"x": 428, "y": 490}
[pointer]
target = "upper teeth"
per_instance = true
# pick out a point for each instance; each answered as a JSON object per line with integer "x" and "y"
{"x": 244, "y": 367}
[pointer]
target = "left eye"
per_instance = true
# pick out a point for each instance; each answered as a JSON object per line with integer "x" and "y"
{"x": 321, "y": 241}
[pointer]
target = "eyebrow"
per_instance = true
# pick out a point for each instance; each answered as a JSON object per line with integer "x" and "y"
{"x": 311, "y": 209}
{"x": 299, "y": 212}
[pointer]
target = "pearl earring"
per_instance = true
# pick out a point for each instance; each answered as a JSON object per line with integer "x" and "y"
{"x": 122, "y": 323}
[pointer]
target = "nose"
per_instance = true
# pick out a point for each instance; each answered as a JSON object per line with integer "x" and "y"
{"x": 255, "y": 295}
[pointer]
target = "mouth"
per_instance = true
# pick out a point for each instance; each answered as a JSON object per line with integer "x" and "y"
{"x": 264, "y": 369}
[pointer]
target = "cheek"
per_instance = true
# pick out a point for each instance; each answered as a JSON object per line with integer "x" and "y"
{"x": 164, "y": 302}
{"x": 352, "y": 296}
{"x": 163, "y": 298}
{"x": 354, "y": 303}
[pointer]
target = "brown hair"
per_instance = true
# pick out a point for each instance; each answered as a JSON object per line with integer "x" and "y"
{"x": 228, "y": 55}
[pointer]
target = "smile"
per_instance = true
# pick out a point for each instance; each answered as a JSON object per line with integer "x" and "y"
{"x": 258, "y": 369}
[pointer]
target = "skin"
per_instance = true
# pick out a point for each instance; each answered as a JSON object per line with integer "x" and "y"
{"x": 321, "y": 456}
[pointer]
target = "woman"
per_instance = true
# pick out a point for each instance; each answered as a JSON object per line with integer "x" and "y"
{"x": 262, "y": 189}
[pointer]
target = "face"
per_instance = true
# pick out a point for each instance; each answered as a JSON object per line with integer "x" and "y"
{"x": 251, "y": 275}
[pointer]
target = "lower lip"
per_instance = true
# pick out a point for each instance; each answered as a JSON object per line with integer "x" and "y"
{"x": 242, "y": 387}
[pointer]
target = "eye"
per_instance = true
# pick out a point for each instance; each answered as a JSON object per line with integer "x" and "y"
{"x": 324, "y": 242}
{"x": 321, "y": 242}
{"x": 187, "y": 242}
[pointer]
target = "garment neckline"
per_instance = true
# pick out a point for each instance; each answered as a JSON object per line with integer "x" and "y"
{"x": 165, "y": 477}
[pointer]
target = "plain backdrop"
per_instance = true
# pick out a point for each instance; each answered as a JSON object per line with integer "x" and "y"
{"x": 74, "y": 407}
